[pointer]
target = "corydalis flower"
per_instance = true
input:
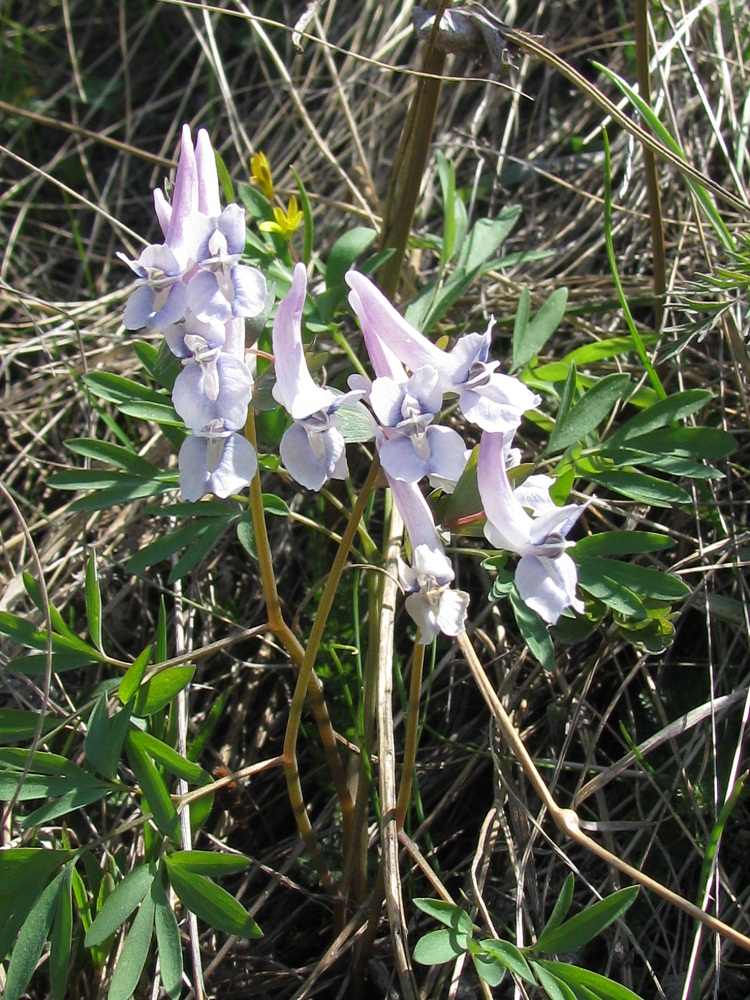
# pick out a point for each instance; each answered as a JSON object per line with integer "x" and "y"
{"x": 313, "y": 448}
{"x": 488, "y": 398}
{"x": 411, "y": 446}
{"x": 212, "y": 387}
{"x": 546, "y": 576}
{"x": 430, "y": 601}
{"x": 215, "y": 461}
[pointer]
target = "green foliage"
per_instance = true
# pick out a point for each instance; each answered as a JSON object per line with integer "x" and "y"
{"x": 494, "y": 958}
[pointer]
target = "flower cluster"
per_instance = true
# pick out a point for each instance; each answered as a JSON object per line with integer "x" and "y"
{"x": 193, "y": 288}
{"x": 524, "y": 520}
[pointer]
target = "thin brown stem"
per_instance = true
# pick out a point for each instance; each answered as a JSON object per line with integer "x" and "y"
{"x": 566, "y": 820}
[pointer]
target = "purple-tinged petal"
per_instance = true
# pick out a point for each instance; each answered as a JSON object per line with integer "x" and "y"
{"x": 250, "y": 291}
{"x": 160, "y": 309}
{"x": 299, "y": 459}
{"x": 235, "y": 338}
{"x": 183, "y": 338}
{"x": 400, "y": 461}
{"x": 206, "y": 300}
{"x": 508, "y": 525}
{"x": 386, "y": 398}
{"x": 163, "y": 210}
{"x": 448, "y": 453}
{"x": 533, "y": 493}
{"x": 548, "y": 586}
{"x": 221, "y": 465}
{"x": 498, "y": 404}
{"x": 207, "y": 175}
{"x": 185, "y": 193}
{"x": 417, "y": 515}
{"x": 385, "y": 331}
{"x": 295, "y": 388}
{"x": 215, "y": 391}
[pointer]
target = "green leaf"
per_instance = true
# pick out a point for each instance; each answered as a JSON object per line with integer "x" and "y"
{"x": 246, "y": 537}
{"x": 62, "y": 936}
{"x": 26, "y": 634}
{"x": 35, "y": 664}
{"x": 105, "y": 737}
{"x": 485, "y": 239}
{"x": 446, "y": 913}
{"x": 113, "y": 454}
{"x": 74, "y": 799}
{"x": 521, "y": 322}
{"x": 131, "y": 681}
{"x": 642, "y": 580}
{"x": 534, "y": 632}
{"x": 662, "y": 414}
{"x": 510, "y": 956}
{"x": 345, "y": 251}
{"x": 580, "y": 929}
{"x": 169, "y": 758}
{"x": 307, "y": 215}
{"x": 158, "y": 692}
{"x": 18, "y": 724}
{"x": 209, "y": 863}
{"x": 118, "y": 906}
{"x": 168, "y": 942}
{"x": 622, "y": 543}
{"x": 599, "y": 986}
{"x": 93, "y": 602}
{"x": 609, "y": 590}
{"x": 488, "y": 968}
{"x": 553, "y": 987}
{"x": 211, "y": 903}
{"x": 134, "y": 953}
{"x": 529, "y": 341}
{"x": 187, "y": 535}
{"x": 585, "y": 416}
{"x": 117, "y": 389}
{"x": 562, "y": 905}
{"x": 707, "y": 443}
{"x": 154, "y": 790}
{"x": 440, "y": 946}
{"x": 210, "y": 534}
{"x": 34, "y": 591}
{"x": 638, "y": 486}
{"x": 356, "y": 423}
{"x": 33, "y": 934}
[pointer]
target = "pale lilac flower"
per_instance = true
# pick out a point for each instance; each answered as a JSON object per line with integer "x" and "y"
{"x": 196, "y": 190}
{"x": 215, "y": 461}
{"x": 160, "y": 297}
{"x": 493, "y": 401}
{"x": 313, "y": 448}
{"x": 410, "y": 446}
{"x": 190, "y": 334}
{"x": 213, "y": 387}
{"x": 430, "y": 601}
{"x": 546, "y": 576}
{"x": 226, "y": 292}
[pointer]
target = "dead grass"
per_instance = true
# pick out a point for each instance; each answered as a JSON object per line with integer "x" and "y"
{"x": 113, "y": 88}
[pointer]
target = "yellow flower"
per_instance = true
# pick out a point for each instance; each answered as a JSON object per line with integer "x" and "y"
{"x": 285, "y": 223}
{"x": 260, "y": 174}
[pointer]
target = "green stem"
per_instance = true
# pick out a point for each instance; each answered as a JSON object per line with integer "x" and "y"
{"x": 312, "y": 690}
{"x": 306, "y": 676}
{"x": 656, "y": 219}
